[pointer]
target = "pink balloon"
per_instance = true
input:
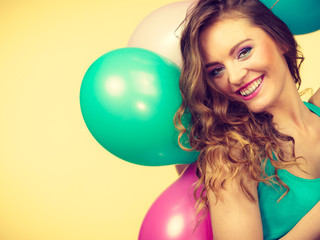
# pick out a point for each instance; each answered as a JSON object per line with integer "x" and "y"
{"x": 173, "y": 215}
{"x": 159, "y": 31}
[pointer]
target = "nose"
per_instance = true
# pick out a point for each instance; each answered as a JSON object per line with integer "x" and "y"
{"x": 236, "y": 73}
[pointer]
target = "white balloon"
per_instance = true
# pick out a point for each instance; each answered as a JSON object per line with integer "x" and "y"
{"x": 160, "y": 31}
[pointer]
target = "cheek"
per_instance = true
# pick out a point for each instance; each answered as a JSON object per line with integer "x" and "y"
{"x": 222, "y": 85}
{"x": 263, "y": 59}
{"x": 274, "y": 64}
{"x": 261, "y": 62}
{"x": 269, "y": 56}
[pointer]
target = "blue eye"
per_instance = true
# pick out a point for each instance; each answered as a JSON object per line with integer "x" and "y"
{"x": 216, "y": 72}
{"x": 244, "y": 52}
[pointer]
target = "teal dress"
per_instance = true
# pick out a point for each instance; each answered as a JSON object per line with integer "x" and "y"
{"x": 278, "y": 218}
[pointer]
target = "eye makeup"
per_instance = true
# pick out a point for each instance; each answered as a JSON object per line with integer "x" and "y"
{"x": 244, "y": 52}
{"x": 216, "y": 71}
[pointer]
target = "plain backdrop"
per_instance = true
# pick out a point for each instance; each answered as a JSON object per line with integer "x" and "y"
{"x": 56, "y": 181}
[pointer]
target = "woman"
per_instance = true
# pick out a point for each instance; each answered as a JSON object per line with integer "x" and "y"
{"x": 259, "y": 143}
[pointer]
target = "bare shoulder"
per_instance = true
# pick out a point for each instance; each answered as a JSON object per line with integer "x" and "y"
{"x": 233, "y": 213}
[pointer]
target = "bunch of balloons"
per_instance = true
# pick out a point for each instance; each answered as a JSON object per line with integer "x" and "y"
{"x": 129, "y": 96}
{"x": 128, "y": 99}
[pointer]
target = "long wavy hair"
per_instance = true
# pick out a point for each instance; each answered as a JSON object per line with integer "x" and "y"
{"x": 220, "y": 125}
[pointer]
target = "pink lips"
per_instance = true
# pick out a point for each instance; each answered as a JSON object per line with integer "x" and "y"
{"x": 255, "y": 93}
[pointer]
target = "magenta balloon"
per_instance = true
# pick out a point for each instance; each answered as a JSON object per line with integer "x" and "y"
{"x": 173, "y": 215}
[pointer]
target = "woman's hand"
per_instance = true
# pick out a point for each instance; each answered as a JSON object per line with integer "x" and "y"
{"x": 315, "y": 99}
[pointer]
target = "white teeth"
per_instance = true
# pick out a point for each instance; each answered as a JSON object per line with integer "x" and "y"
{"x": 252, "y": 88}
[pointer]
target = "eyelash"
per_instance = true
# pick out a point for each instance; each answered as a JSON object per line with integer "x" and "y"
{"x": 213, "y": 73}
{"x": 246, "y": 51}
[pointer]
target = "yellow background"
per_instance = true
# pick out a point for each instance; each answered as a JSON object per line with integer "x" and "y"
{"x": 56, "y": 181}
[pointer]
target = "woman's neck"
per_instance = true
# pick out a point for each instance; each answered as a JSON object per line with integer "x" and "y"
{"x": 290, "y": 114}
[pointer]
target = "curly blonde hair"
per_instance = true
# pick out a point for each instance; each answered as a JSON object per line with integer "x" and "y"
{"x": 220, "y": 125}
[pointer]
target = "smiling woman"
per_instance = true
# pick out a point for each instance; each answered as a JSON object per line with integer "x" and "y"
{"x": 56, "y": 182}
{"x": 256, "y": 138}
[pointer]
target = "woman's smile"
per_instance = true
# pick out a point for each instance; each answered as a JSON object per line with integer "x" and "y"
{"x": 251, "y": 89}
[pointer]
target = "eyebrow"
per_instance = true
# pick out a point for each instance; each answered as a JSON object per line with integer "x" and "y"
{"x": 231, "y": 51}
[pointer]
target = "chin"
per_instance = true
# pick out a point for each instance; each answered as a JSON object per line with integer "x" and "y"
{"x": 260, "y": 103}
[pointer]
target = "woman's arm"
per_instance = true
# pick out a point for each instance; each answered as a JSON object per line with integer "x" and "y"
{"x": 234, "y": 215}
{"x": 308, "y": 228}
{"x": 315, "y": 99}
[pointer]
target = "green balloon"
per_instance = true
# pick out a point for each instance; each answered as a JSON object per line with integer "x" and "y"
{"x": 128, "y": 98}
{"x": 301, "y": 16}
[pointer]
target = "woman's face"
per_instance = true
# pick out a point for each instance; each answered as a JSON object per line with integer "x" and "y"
{"x": 245, "y": 63}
